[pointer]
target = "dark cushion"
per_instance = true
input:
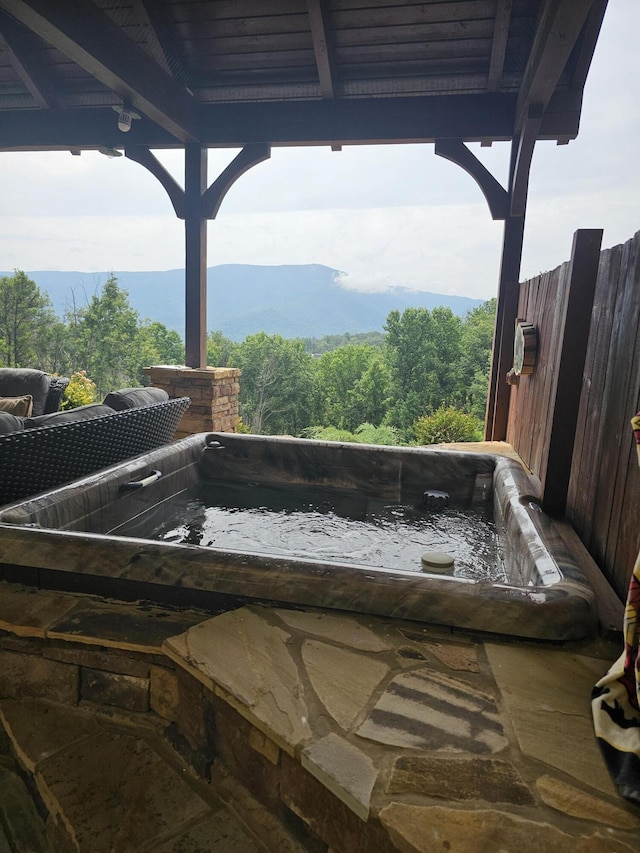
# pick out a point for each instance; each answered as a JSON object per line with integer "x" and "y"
{"x": 134, "y": 398}
{"x": 81, "y": 413}
{"x": 10, "y": 423}
{"x": 18, "y": 381}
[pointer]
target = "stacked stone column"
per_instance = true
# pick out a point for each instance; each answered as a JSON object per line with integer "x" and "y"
{"x": 214, "y": 396}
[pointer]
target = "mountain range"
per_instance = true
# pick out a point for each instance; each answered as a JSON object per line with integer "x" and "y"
{"x": 290, "y": 300}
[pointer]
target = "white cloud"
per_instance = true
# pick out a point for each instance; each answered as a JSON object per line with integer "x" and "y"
{"x": 375, "y": 248}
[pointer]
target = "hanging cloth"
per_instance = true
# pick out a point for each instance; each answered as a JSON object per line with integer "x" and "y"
{"x": 616, "y": 697}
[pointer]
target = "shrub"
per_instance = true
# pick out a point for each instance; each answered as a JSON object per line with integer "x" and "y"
{"x": 364, "y": 434}
{"x": 80, "y": 391}
{"x": 383, "y": 434}
{"x": 328, "y": 433}
{"x": 446, "y": 425}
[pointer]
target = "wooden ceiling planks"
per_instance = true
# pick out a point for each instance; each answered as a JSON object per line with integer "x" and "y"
{"x": 172, "y": 58}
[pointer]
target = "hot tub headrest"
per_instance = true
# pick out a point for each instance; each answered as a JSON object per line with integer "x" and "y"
{"x": 134, "y": 398}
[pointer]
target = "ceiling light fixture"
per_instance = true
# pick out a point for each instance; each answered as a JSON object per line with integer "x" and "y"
{"x": 126, "y": 117}
{"x": 110, "y": 152}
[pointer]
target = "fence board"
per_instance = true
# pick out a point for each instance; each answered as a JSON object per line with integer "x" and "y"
{"x": 588, "y": 447}
{"x": 628, "y": 375}
{"x": 616, "y": 434}
{"x": 578, "y": 293}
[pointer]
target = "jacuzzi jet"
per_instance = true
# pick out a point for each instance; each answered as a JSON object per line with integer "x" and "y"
{"x": 434, "y": 499}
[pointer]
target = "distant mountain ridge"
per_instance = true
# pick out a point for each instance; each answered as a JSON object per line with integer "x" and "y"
{"x": 290, "y": 300}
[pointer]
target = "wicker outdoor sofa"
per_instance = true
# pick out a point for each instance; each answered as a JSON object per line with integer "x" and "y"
{"x": 69, "y": 445}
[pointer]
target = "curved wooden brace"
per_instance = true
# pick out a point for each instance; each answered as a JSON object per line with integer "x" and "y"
{"x": 250, "y": 156}
{"x": 525, "y": 143}
{"x": 142, "y": 155}
{"x": 457, "y": 152}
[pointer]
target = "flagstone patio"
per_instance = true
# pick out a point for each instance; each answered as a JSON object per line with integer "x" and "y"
{"x": 137, "y": 728}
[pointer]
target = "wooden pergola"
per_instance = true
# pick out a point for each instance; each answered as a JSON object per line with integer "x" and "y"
{"x": 253, "y": 74}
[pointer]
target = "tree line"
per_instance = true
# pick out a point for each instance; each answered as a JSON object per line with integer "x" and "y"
{"x": 380, "y": 387}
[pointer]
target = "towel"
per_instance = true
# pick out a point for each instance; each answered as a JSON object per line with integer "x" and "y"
{"x": 615, "y": 700}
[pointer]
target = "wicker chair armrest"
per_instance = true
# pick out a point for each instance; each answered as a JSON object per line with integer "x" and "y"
{"x": 43, "y": 458}
{"x": 56, "y": 391}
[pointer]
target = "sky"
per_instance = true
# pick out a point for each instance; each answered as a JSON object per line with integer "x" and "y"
{"x": 384, "y": 216}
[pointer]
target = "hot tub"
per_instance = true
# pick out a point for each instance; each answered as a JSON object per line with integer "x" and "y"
{"x": 94, "y": 535}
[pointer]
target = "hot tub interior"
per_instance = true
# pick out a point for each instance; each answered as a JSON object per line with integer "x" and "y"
{"x": 343, "y": 526}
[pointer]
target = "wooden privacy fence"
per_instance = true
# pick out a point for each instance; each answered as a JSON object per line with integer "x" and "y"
{"x": 569, "y": 419}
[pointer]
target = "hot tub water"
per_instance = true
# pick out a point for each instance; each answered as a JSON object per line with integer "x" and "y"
{"x": 333, "y": 526}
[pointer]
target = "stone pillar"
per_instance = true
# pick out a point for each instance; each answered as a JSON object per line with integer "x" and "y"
{"x": 214, "y": 396}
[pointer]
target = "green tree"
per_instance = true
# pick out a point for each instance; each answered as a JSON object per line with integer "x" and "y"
{"x": 26, "y": 316}
{"x": 317, "y": 346}
{"x": 475, "y": 359}
{"x": 219, "y": 349}
{"x": 155, "y": 344}
{"x": 352, "y": 386}
{"x": 277, "y": 384}
{"x": 105, "y": 337}
{"x": 55, "y": 348}
{"x": 424, "y": 355}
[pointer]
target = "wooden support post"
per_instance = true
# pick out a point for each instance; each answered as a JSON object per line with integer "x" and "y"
{"x": 506, "y": 313}
{"x": 195, "y": 184}
{"x": 574, "y": 337}
{"x": 509, "y": 287}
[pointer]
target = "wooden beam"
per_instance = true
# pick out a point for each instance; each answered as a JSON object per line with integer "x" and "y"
{"x": 496, "y": 196}
{"x": 497, "y": 415}
{"x": 469, "y": 118}
{"x": 144, "y": 11}
{"x": 195, "y": 227}
{"x": 37, "y": 83}
{"x": 250, "y": 156}
{"x": 321, "y": 35}
{"x": 150, "y": 14}
{"x": 361, "y": 120}
{"x": 87, "y": 36}
{"x": 499, "y": 44}
{"x": 588, "y": 45}
{"x": 560, "y": 24}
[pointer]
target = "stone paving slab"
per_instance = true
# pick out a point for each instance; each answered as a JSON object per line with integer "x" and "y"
{"x": 343, "y": 769}
{"x": 425, "y": 709}
{"x": 341, "y": 629}
{"x": 343, "y": 680}
{"x": 39, "y": 730}
{"x": 547, "y": 695}
{"x": 217, "y": 832}
{"x": 121, "y": 626}
{"x": 249, "y": 658}
{"x": 115, "y": 793}
{"x": 472, "y": 779}
{"x": 426, "y": 829}
{"x": 28, "y": 612}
